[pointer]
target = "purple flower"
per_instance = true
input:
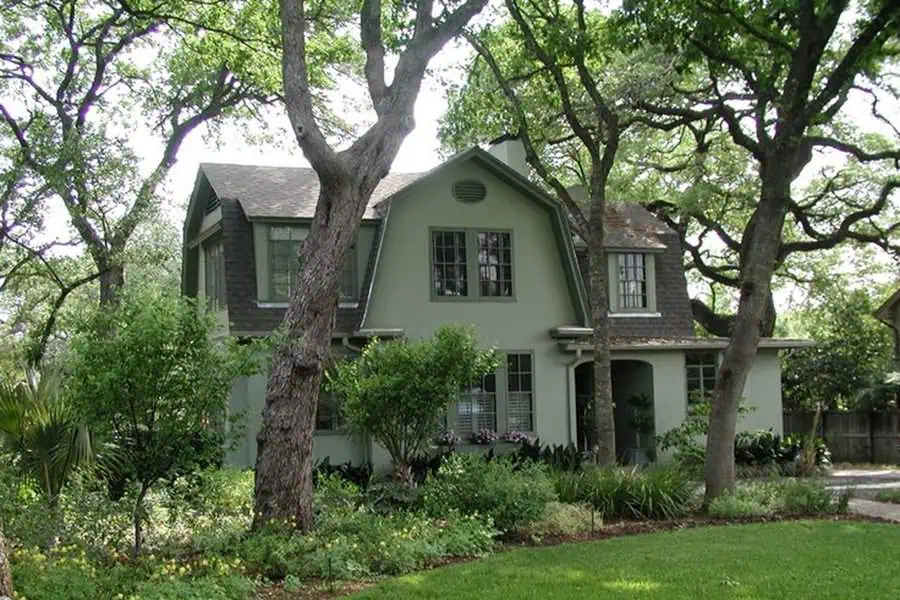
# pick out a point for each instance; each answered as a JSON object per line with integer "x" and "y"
{"x": 447, "y": 438}
{"x": 484, "y": 437}
{"x": 516, "y": 437}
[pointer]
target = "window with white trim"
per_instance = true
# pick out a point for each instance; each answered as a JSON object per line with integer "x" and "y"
{"x": 519, "y": 392}
{"x": 214, "y": 275}
{"x": 476, "y": 407}
{"x": 700, "y": 370}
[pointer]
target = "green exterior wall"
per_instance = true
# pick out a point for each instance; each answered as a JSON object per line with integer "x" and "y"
{"x": 401, "y": 297}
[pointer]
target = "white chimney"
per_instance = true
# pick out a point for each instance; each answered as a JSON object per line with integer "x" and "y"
{"x": 510, "y": 149}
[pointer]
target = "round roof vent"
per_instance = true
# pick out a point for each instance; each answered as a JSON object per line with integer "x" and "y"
{"x": 469, "y": 190}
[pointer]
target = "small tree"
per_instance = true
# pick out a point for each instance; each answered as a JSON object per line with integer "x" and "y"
{"x": 148, "y": 376}
{"x": 396, "y": 391}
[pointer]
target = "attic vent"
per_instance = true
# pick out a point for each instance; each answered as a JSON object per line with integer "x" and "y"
{"x": 469, "y": 190}
{"x": 212, "y": 203}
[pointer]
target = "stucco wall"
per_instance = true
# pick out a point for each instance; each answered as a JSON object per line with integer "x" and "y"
{"x": 401, "y": 296}
{"x": 762, "y": 394}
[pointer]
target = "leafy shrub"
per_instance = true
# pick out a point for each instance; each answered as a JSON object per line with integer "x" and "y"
{"x": 892, "y": 496}
{"x": 359, "y": 474}
{"x": 556, "y": 457}
{"x": 360, "y": 544}
{"x": 732, "y": 506}
{"x": 618, "y": 493}
{"x": 807, "y": 497}
{"x": 566, "y": 519}
{"x": 231, "y": 587}
{"x": 511, "y": 495}
{"x": 757, "y": 448}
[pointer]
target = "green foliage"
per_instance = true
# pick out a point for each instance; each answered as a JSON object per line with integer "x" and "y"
{"x": 891, "y": 496}
{"x": 853, "y": 354}
{"x": 556, "y": 457}
{"x": 395, "y": 391}
{"x": 561, "y": 519}
{"x": 728, "y": 506}
{"x": 663, "y": 492}
{"x": 510, "y": 496}
{"x": 42, "y": 432}
{"x": 804, "y": 496}
{"x": 147, "y": 376}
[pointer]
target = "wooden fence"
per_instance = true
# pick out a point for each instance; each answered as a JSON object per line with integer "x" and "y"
{"x": 854, "y": 437}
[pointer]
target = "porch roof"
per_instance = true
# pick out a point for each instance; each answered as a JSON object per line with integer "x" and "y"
{"x": 575, "y": 339}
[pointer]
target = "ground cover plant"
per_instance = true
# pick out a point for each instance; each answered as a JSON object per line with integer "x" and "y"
{"x": 794, "y": 559}
{"x": 892, "y": 496}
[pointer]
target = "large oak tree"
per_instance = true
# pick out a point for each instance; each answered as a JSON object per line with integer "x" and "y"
{"x": 407, "y": 34}
{"x": 778, "y": 74}
{"x": 564, "y": 96}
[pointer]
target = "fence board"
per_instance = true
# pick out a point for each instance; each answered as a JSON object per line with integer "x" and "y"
{"x": 854, "y": 437}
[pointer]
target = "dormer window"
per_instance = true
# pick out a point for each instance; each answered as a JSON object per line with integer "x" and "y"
{"x": 632, "y": 283}
{"x": 284, "y": 265}
{"x": 214, "y": 275}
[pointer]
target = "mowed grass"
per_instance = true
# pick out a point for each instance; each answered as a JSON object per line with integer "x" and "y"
{"x": 814, "y": 560}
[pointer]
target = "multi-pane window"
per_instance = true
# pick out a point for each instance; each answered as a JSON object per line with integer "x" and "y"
{"x": 700, "y": 371}
{"x": 448, "y": 261}
{"x": 495, "y": 264}
{"x": 476, "y": 407}
{"x": 632, "y": 281}
{"x": 284, "y": 265}
{"x": 328, "y": 417}
{"x": 284, "y": 261}
{"x": 520, "y": 392}
{"x": 214, "y": 271}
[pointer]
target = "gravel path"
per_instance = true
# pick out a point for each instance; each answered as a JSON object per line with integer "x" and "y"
{"x": 864, "y": 484}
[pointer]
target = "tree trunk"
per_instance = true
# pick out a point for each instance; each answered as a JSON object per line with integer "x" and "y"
{"x": 721, "y": 325}
{"x": 138, "y": 519}
{"x": 284, "y": 485}
{"x": 6, "y": 585}
{"x": 112, "y": 279}
{"x": 749, "y": 324}
{"x": 604, "y": 425}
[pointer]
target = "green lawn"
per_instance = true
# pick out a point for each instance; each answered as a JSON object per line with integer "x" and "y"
{"x": 814, "y": 560}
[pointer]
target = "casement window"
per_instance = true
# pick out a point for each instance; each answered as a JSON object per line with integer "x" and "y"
{"x": 214, "y": 275}
{"x": 284, "y": 265}
{"x": 471, "y": 265}
{"x": 495, "y": 264}
{"x": 519, "y": 392}
{"x": 449, "y": 264}
{"x": 284, "y": 260}
{"x": 700, "y": 369}
{"x": 328, "y": 416}
{"x": 632, "y": 285}
{"x": 476, "y": 407}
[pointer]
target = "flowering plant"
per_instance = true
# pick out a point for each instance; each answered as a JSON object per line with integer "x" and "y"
{"x": 447, "y": 438}
{"x": 516, "y": 437}
{"x": 484, "y": 437}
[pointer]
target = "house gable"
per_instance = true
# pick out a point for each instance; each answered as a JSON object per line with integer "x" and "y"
{"x": 547, "y": 289}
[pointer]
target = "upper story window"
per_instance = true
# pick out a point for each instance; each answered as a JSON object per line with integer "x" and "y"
{"x": 460, "y": 257}
{"x": 700, "y": 370}
{"x": 449, "y": 263}
{"x": 495, "y": 264}
{"x": 214, "y": 275}
{"x": 632, "y": 282}
{"x": 284, "y": 265}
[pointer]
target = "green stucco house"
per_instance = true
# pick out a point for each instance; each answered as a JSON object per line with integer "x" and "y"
{"x": 471, "y": 242}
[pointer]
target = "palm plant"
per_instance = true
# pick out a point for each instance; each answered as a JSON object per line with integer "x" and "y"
{"x": 41, "y": 430}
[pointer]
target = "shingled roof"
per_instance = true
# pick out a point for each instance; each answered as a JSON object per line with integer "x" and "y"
{"x": 292, "y": 193}
{"x": 285, "y": 192}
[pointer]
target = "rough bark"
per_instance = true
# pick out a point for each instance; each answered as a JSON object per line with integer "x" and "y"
{"x": 721, "y": 324}
{"x": 748, "y": 326}
{"x": 138, "y": 520}
{"x": 6, "y": 584}
{"x": 112, "y": 280}
{"x": 284, "y": 490}
{"x": 604, "y": 426}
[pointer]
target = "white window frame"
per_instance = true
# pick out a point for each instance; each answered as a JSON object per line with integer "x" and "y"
{"x": 615, "y": 307}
